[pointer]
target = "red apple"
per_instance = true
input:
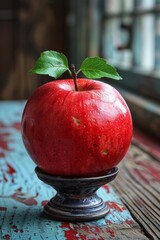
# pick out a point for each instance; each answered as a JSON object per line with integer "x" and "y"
{"x": 76, "y": 133}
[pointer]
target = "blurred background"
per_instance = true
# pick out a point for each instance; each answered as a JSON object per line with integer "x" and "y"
{"x": 125, "y": 32}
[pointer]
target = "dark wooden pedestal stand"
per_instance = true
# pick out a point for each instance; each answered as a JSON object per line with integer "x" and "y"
{"x": 76, "y": 198}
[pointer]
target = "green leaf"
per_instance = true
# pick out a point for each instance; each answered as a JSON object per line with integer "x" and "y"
{"x": 96, "y": 67}
{"x": 51, "y": 63}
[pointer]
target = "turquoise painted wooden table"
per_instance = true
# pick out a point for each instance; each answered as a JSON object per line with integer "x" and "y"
{"x": 23, "y": 195}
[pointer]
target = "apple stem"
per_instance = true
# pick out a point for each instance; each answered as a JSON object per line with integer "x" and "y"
{"x": 74, "y": 76}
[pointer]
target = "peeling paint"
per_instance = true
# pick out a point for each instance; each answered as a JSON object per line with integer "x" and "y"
{"x": 6, "y": 237}
{"x": 3, "y": 208}
{"x": 10, "y": 170}
{"x": 24, "y": 198}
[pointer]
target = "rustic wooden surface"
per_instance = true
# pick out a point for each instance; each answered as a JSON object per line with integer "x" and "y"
{"x": 133, "y": 197}
{"x": 138, "y": 184}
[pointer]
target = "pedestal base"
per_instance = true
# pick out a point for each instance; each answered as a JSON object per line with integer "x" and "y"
{"x": 76, "y": 198}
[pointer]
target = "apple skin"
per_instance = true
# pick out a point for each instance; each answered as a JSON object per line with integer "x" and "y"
{"x": 76, "y": 133}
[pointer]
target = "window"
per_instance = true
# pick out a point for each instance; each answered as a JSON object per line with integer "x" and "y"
{"x": 127, "y": 34}
{"x": 131, "y": 41}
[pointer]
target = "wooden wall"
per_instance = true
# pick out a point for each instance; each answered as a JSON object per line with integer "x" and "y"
{"x": 27, "y": 28}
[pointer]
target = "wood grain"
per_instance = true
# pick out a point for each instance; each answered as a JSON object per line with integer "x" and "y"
{"x": 35, "y": 27}
{"x": 139, "y": 188}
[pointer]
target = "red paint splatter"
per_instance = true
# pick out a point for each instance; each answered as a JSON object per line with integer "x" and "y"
{"x": 110, "y": 232}
{"x": 3, "y": 208}
{"x": 4, "y": 144}
{"x": 44, "y": 202}
{"x": 108, "y": 222}
{"x": 2, "y": 155}
{"x": 4, "y": 137}
{"x": 16, "y": 125}
{"x": 7, "y": 237}
{"x": 10, "y": 170}
{"x": 6, "y": 134}
{"x": 23, "y": 198}
{"x": 69, "y": 232}
{"x": 2, "y": 125}
{"x": 4, "y": 141}
{"x": 15, "y": 229}
{"x": 129, "y": 222}
{"x": 106, "y": 187}
{"x": 13, "y": 226}
{"x": 116, "y": 206}
{"x": 84, "y": 231}
{"x": 28, "y": 201}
